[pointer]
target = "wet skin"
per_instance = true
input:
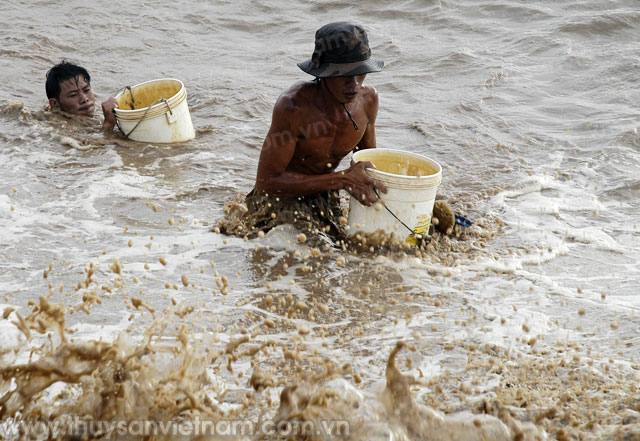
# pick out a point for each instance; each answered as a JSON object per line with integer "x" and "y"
{"x": 77, "y": 98}
{"x": 311, "y": 132}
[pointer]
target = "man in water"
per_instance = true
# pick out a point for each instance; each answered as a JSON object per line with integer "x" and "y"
{"x": 315, "y": 124}
{"x": 69, "y": 89}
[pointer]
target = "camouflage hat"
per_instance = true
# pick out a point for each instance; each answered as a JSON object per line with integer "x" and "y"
{"x": 342, "y": 50}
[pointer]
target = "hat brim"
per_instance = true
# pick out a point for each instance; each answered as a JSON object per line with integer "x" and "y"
{"x": 326, "y": 70}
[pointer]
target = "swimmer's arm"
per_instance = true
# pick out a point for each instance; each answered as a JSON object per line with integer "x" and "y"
{"x": 108, "y": 107}
{"x": 278, "y": 148}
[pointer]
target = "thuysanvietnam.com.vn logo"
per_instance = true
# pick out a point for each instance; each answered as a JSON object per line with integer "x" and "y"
{"x": 74, "y": 426}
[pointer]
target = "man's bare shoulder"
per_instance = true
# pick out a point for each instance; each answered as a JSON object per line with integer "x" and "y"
{"x": 297, "y": 98}
{"x": 369, "y": 100}
{"x": 369, "y": 94}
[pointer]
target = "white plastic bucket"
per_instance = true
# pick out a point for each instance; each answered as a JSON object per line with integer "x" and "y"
{"x": 155, "y": 111}
{"x": 411, "y": 181}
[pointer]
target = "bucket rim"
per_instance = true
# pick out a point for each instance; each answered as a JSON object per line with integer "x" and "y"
{"x": 402, "y": 152}
{"x": 154, "y": 106}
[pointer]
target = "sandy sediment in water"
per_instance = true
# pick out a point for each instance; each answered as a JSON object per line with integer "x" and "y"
{"x": 173, "y": 372}
{"x": 283, "y": 357}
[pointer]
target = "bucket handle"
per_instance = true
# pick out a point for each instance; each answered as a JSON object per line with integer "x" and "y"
{"x": 133, "y": 102}
{"x": 459, "y": 220}
{"x": 421, "y": 237}
{"x": 126, "y": 135}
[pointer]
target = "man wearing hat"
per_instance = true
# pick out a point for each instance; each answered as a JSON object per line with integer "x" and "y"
{"x": 314, "y": 125}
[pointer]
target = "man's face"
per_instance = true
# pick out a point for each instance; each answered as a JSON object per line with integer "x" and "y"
{"x": 345, "y": 89}
{"x": 76, "y": 96}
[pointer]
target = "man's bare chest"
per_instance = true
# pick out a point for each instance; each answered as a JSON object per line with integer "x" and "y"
{"x": 326, "y": 148}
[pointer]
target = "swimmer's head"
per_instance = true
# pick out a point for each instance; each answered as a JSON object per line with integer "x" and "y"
{"x": 69, "y": 88}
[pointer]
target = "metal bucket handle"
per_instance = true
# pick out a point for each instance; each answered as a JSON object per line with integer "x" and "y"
{"x": 126, "y": 135}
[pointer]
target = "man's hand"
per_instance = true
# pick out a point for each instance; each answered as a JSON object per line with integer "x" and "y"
{"x": 108, "y": 109}
{"x": 360, "y": 185}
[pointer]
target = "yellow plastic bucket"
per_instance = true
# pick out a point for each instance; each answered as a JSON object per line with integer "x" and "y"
{"x": 411, "y": 180}
{"x": 155, "y": 111}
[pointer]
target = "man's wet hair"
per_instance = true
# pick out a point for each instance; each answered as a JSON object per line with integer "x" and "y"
{"x": 60, "y": 73}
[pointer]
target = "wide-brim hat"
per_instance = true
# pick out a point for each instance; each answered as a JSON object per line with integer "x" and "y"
{"x": 341, "y": 50}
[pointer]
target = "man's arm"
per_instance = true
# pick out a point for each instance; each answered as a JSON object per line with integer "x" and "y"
{"x": 109, "y": 114}
{"x": 368, "y": 140}
{"x": 277, "y": 150}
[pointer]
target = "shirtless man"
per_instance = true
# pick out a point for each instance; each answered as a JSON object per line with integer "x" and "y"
{"x": 69, "y": 89}
{"x": 316, "y": 124}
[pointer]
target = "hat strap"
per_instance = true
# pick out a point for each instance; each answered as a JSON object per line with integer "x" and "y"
{"x": 355, "y": 126}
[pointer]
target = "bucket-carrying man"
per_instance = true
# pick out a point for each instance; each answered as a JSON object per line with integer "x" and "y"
{"x": 69, "y": 89}
{"x": 314, "y": 125}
